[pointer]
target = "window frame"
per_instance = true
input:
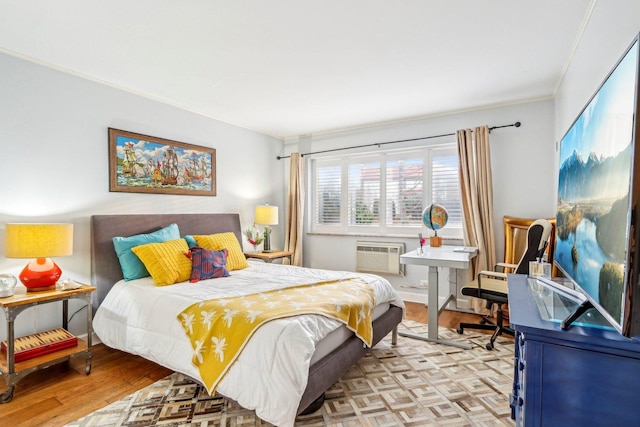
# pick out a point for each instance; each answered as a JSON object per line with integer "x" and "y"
{"x": 426, "y": 153}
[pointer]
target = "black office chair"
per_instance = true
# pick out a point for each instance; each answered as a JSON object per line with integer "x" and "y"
{"x": 492, "y": 285}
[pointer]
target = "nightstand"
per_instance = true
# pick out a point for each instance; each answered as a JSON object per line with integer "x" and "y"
{"x": 14, "y": 305}
{"x": 270, "y": 256}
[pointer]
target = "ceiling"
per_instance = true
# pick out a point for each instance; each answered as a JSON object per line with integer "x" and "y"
{"x": 295, "y": 67}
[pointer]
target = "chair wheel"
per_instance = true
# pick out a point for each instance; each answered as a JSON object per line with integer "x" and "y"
{"x": 489, "y": 346}
{"x": 460, "y": 331}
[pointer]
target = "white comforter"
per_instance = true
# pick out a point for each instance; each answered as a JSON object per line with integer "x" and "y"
{"x": 270, "y": 375}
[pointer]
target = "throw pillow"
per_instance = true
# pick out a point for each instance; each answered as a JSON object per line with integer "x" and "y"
{"x": 166, "y": 261}
{"x": 190, "y": 241}
{"x": 207, "y": 264}
{"x": 228, "y": 241}
{"x": 132, "y": 267}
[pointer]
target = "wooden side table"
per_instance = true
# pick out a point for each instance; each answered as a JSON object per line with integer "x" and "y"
{"x": 14, "y": 305}
{"x": 270, "y": 256}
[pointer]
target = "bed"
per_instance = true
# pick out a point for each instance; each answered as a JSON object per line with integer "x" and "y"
{"x": 161, "y": 340}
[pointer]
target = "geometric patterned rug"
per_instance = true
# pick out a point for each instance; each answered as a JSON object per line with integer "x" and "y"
{"x": 415, "y": 383}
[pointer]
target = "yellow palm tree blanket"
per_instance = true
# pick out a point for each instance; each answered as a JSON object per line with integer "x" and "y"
{"x": 220, "y": 328}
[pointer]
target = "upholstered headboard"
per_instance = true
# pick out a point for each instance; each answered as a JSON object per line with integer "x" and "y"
{"x": 105, "y": 267}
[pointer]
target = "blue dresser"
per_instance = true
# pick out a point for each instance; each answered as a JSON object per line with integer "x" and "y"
{"x": 587, "y": 375}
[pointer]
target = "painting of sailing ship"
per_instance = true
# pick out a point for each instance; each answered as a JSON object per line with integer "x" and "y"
{"x": 146, "y": 164}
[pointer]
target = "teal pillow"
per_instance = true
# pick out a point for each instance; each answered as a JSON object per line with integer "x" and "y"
{"x": 191, "y": 241}
{"x": 132, "y": 267}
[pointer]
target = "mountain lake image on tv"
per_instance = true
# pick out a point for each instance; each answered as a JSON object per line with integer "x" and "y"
{"x": 595, "y": 192}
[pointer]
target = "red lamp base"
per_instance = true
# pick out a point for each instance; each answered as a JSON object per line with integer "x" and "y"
{"x": 41, "y": 274}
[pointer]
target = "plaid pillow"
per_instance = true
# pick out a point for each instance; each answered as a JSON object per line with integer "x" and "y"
{"x": 207, "y": 264}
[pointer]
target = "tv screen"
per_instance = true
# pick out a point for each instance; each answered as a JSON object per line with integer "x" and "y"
{"x": 596, "y": 239}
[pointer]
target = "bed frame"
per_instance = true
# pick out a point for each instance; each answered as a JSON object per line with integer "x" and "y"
{"x": 106, "y": 271}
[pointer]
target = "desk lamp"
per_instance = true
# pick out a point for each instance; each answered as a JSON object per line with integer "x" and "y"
{"x": 39, "y": 241}
{"x": 266, "y": 215}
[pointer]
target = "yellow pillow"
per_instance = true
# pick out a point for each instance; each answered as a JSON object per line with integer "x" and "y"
{"x": 228, "y": 241}
{"x": 166, "y": 261}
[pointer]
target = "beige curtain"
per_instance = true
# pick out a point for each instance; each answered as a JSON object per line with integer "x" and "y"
{"x": 477, "y": 200}
{"x": 295, "y": 209}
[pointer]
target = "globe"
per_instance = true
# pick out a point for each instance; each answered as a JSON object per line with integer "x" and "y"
{"x": 435, "y": 217}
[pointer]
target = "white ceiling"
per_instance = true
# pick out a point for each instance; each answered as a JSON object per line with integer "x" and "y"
{"x": 293, "y": 67}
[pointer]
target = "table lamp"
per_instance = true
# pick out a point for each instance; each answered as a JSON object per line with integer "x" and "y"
{"x": 39, "y": 241}
{"x": 266, "y": 215}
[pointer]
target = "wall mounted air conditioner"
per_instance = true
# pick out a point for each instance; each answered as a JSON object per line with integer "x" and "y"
{"x": 379, "y": 257}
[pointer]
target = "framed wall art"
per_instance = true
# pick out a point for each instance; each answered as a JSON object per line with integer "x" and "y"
{"x": 146, "y": 164}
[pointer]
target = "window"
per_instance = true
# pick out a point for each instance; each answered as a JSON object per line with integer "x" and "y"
{"x": 385, "y": 193}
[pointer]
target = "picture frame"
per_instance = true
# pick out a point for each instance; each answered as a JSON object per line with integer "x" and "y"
{"x": 147, "y": 164}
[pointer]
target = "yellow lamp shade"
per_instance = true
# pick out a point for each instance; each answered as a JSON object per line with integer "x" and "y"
{"x": 39, "y": 241}
{"x": 266, "y": 215}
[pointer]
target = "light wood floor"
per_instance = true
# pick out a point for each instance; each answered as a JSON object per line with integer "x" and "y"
{"x": 63, "y": 393}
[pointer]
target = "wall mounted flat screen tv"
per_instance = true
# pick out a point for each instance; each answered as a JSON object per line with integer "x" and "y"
{"x": 597, "y": 240}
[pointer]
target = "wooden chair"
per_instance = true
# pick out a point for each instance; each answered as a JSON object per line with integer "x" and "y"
{"x": 515, "y": 240}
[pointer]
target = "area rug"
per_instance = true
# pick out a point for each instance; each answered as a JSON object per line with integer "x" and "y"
{"x": 414, "y": 383}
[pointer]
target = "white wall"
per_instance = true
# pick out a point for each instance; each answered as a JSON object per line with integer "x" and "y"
{"x": 522, "y": 164}
{"x": 610, "y": 31}
{"x": 54, "y": 164}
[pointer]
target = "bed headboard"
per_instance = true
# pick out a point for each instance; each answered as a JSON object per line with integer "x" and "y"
{"x": 105, "y": 267}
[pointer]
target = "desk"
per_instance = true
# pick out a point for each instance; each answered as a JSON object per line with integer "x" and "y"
{"x": 443, "y": 256}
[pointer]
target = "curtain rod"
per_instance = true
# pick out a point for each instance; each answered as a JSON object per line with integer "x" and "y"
{"x": 378, "y": 144}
